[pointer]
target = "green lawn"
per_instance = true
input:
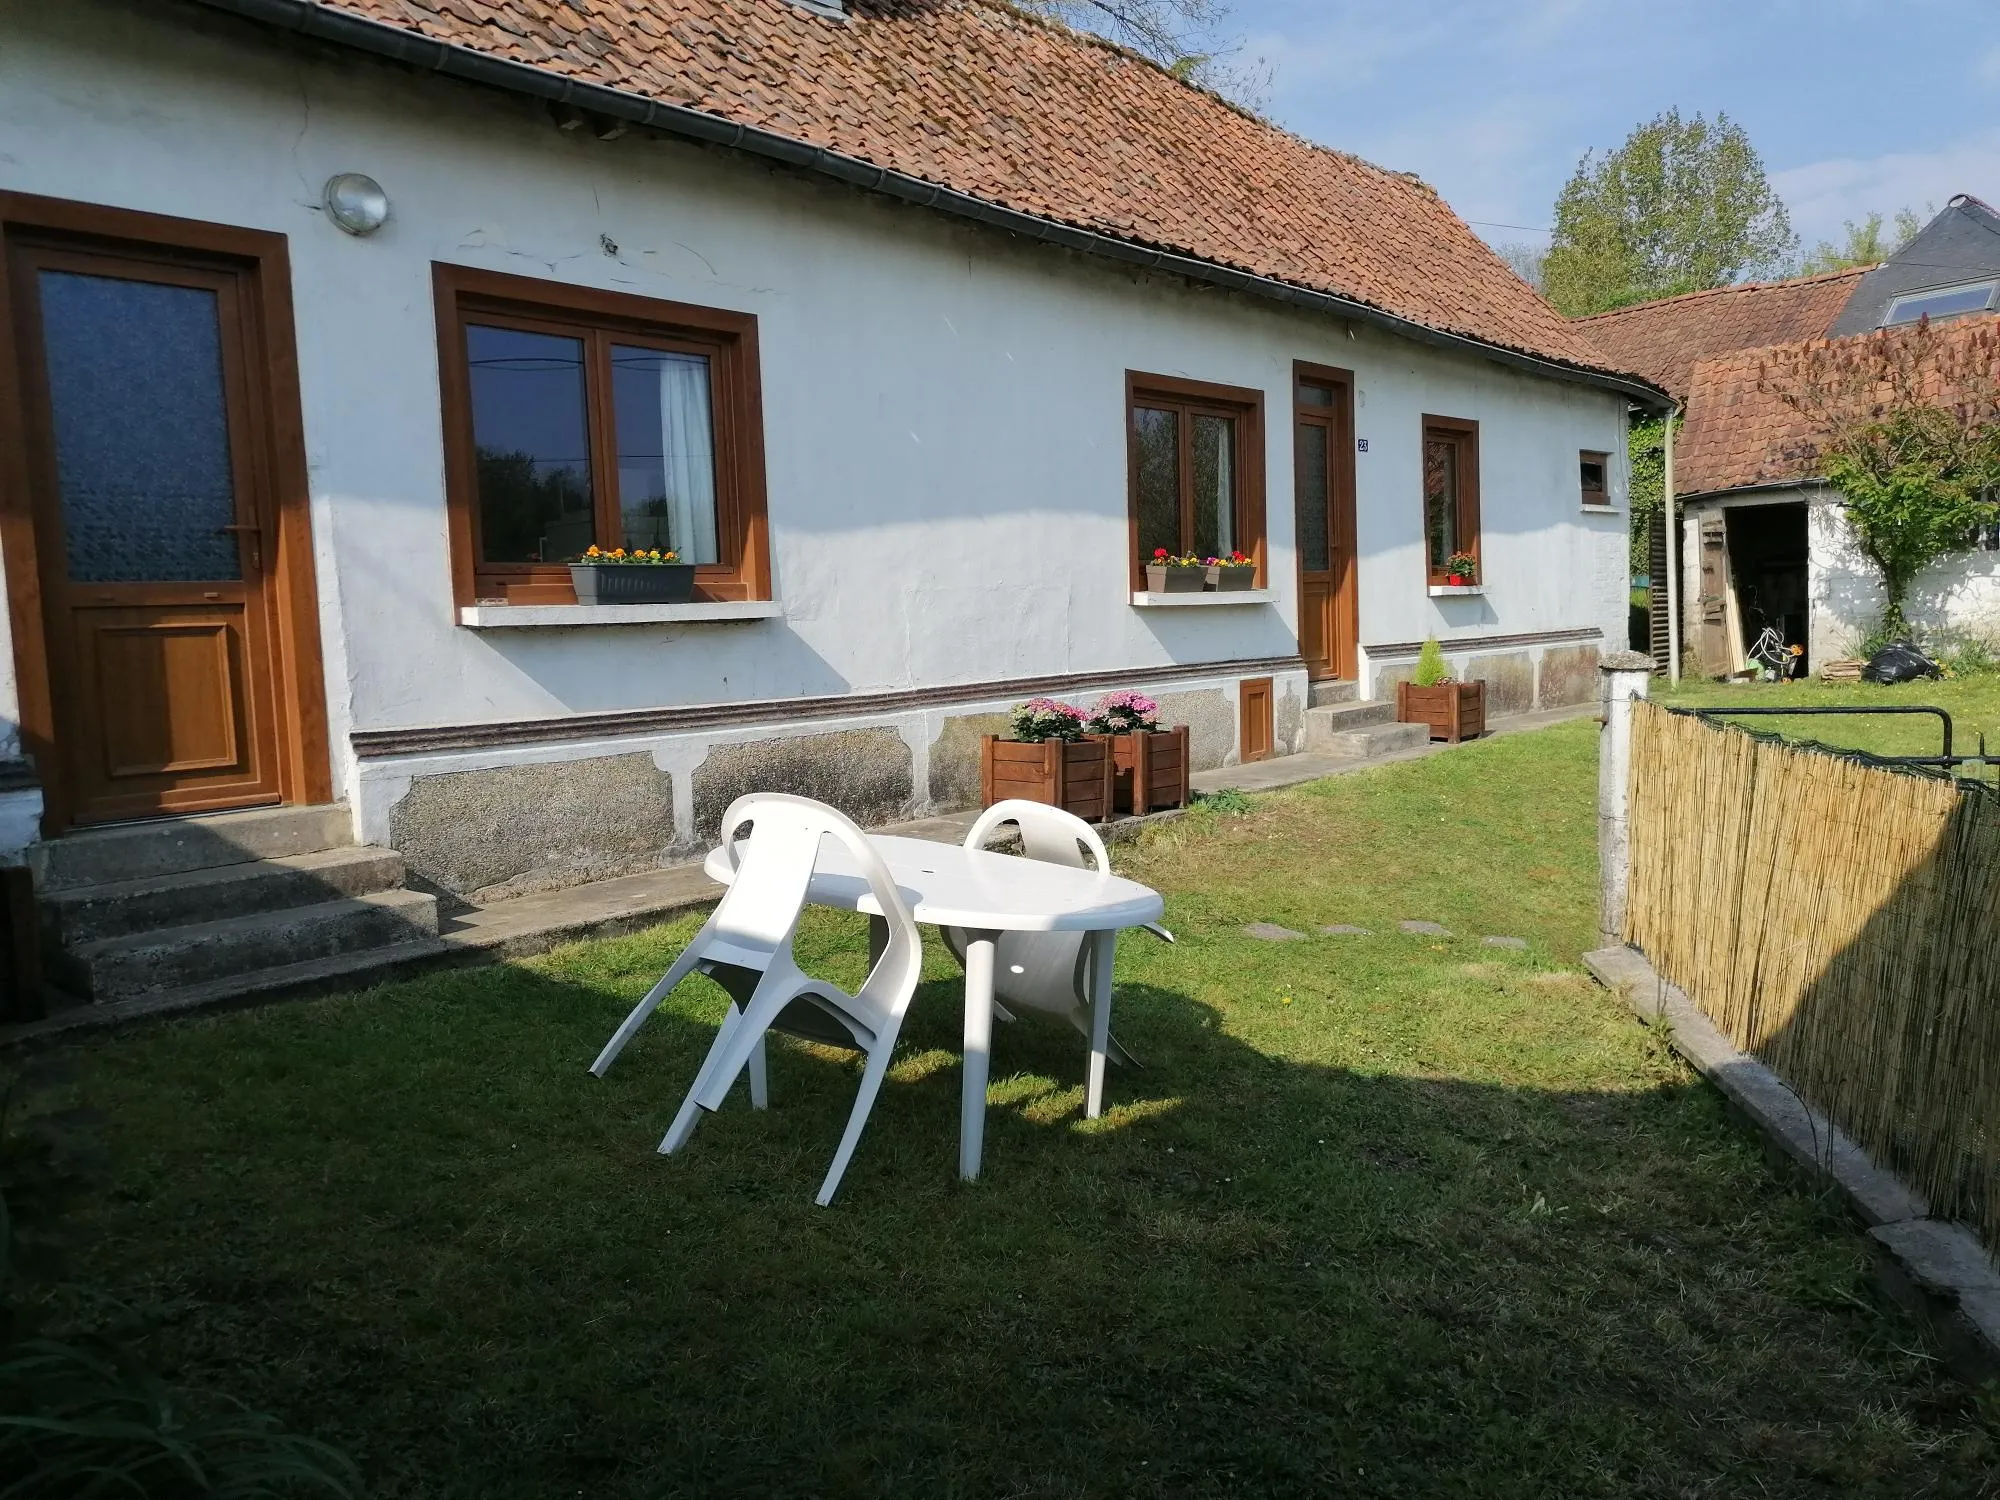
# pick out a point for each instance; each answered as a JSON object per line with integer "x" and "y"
{"x": 1973, "y": 703}
{"x": 1391, "y": 1215}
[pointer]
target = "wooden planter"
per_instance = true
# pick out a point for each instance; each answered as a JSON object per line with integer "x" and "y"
{"x": 1075, "y": 775}
{"x": 1150, "y": 769}
{"x": 1454, "y": 710}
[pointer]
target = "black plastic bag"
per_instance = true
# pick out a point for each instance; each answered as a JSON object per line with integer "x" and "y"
{"x": 1899, "y": 661}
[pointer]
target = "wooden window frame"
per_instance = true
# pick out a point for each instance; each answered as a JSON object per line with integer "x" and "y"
{"x": 1603, "y": 494}
{"x": 742, "y": 529}
{"x": 1242, "y": 405}
{"x": 1466, "y": 434}
{"x": 304, "y": 758}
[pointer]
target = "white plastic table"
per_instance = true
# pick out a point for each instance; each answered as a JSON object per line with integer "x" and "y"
{"x": 947, "y": 885}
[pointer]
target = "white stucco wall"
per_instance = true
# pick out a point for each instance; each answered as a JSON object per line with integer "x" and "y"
{"x": 943, "y": 407}
{"x": 1958, "y": 597}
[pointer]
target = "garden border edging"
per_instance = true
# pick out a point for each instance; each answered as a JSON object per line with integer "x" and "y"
{"x": 1935, "y": 1269}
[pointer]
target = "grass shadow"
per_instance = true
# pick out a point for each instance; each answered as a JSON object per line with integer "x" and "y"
{"x": 413, "y": 1220}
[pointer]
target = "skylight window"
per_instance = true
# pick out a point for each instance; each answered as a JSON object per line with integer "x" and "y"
{"x": 1940, "y": 303}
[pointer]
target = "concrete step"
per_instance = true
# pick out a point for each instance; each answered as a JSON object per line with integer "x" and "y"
{"x": 1321, "y": 724}
{"x": 313, "y": 976}
{"x": 172, "y": 846}
{"x": 1331, "y": 690}
{"x": 119, "y": 908}
{"x": 510, "y": 929}
{"x": 123, "y": 967}
{"x": 1378, "y": 739}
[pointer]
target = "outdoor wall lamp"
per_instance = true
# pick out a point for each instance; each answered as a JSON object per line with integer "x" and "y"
{"x": 356, "y": 202}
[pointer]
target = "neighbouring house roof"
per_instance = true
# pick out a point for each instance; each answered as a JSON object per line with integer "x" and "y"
{"x": 1740, "y": 433}
{"x": 1666, "y": 339}
{"x": 973, "y": 107}
{"x": 1960, "y": 244}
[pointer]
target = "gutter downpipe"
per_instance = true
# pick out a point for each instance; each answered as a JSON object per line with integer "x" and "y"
{"x": 1673, "y": 557}
{"x": 324, "y": 23}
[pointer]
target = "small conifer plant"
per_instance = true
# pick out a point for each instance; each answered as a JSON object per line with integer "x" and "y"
{"x": 1432, "y": 668}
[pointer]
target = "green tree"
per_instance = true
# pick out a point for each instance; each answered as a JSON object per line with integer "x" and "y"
{"x": 1866, "y": 244}
{"x": 1907, "y": 429}
{"x": 1681, "y": 206}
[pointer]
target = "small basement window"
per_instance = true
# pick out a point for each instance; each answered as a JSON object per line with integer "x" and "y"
{"x": 1595, "y": 469}
{"x": 1940, "y": 303}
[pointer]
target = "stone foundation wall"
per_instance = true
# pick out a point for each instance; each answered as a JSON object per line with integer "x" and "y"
{"x": 511, "y": 830}
{"x": 866, "y": 773}
{"x": 1517, "y": 681}
{"x": 528, "y": 818}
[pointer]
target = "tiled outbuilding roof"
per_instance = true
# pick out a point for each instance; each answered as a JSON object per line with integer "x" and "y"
{"x": 1739, "y": 432}
{"x": 975, "y": 97}
{"x": 1666, "y": 339}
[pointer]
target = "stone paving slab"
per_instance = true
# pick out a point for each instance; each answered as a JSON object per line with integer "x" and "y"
{"x": 1271, "y": 932}
{"x": 521, "y": 926}
{"x": 517, "y": 927}
{"x": 1937, "y": 1270}
{"x": 1425, "y": 929}
{"x": 1291, "y": 770}
{"x": 1341, "y": 929}
{"x": 1520, "y": 944}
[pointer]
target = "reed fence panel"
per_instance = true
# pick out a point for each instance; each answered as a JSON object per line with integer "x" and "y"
{"x": 1841, "y": 921}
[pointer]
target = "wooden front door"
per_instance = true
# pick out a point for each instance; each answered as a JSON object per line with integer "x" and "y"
{"x": 150, "y": 463}
{"x": 1323, "y": 487}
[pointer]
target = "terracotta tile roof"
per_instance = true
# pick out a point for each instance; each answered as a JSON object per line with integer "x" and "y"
{"x": 974, "y": 96}
{"x": 1737, "y": 433}
{"x": 1664, "y": 340}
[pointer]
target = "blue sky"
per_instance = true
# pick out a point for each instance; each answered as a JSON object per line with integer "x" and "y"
{"x": 1853, "y": 106}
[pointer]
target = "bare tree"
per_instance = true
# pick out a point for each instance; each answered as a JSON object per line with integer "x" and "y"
{"x": 1525, "y": 259}
{"x": 1186, "y": 37}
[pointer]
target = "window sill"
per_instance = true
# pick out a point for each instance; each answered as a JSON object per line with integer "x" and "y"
{"x": 1599, "y": 510}
{"x": 1451, "y": 590}
{"x": 538, "y": 616}
{"x": 1212, "y": 599}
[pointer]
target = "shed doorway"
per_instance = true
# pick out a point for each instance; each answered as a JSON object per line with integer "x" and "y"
{"x": 1767, "y": 567}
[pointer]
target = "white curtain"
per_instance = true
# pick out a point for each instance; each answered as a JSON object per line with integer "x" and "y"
{"x": 687, "y": 441}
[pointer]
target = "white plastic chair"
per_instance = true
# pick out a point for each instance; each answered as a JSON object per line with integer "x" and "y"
{"x": 1048, "y": 972}
{"x": 746, "y": 946}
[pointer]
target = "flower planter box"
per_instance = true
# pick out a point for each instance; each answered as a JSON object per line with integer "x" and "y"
{"x": 632, "y": 583}
{"x": 1161, "y": 579}
{"x": 1149, "y": 769}
{"x": 1454, "y": 710}
{"x": 1075, "y": 775}
{"x": 1226, "y": 578}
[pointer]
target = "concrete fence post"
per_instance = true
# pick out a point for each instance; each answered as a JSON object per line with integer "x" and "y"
{"x": 1622, "y": 676}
